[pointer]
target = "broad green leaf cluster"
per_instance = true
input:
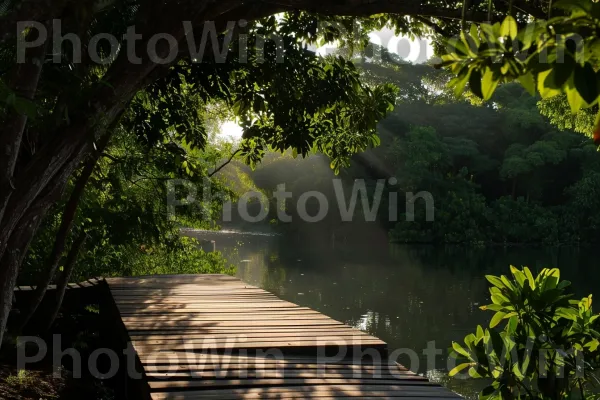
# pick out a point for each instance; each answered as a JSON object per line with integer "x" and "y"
{"x": 548, "y": 344}
{"x": 550, "y": 57}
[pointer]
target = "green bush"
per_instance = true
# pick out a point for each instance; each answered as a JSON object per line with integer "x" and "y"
{"x": 184, "y": 258}
{"x": 178, "y": 255}
{"x": 548, "y": 347}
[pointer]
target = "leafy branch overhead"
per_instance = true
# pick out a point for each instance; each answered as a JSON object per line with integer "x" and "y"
{"x": 558, "y": 55}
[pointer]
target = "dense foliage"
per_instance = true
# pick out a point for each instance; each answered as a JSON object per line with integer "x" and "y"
{"x": 498, "y": 172}
{"x": 548, "y": 347}
{"x": 556, "y": 56}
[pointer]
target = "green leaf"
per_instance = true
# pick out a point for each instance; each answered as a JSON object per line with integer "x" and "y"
{"x": 494, "y": 280}
{"x": 553, "y": 276}
{"x": 517, "y": 371}
{"x": 475, "y": 83}
{"x": 460, "y": 350}
{"x": 592, "y": 345}
{"x": 561, "y": 72}
{"x": 488, "y": 31}
{"x": 576, "y": 102}
{"x": 500, "y": 299}
{"x": 488, "y": 393}
{"x": 458, "y": 368}
{"x": 506, "y": 282}
{"x": 480, "y": 332}
{"x": 455, "y": 45}
{"x": 499, "y": 316}
{"x": 459, "y": 82}
{"x": 528, "y": 82}
{"x": 492, "y": 307}
{"x": 519, "y": 276}
{"x": 563, "y": 284}
{"x": 469, "y": 43}
{"x": 567, "y": 313}
{"x": 509, "y": 27}
{"x": 586, "y": 82}
{"x": 488, "y": 83}
{"x": 546, "y": 90}
{"x": 474, "y": 32}
{"x": 473, "y": 373}
{"x": 530, "y": 278}
{"x": 511, "y": 327}
{"x": 497, "y": 342}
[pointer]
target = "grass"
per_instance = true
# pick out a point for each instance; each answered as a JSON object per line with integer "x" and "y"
{"x": 29, "y": 384}
{"x": 23, "y": 379}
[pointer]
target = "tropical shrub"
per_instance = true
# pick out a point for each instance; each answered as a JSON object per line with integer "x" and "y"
{"x": 548, "y": 344}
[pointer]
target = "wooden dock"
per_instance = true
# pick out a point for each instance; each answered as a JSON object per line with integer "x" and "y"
{"x": 215, "y": 337}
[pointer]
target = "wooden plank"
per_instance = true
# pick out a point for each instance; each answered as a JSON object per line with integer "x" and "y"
{"x": 223, "y": 335}
{"x": 315, "y": 331}
{"x": 201, "y": 333}
{"x": 203, "y": 383}
{"x": 241, "y": 324}
{"x": 215, "y": 337}
{"x": 212, "y": 328}
{"x": 217, "y": 366}
{"x": 277, "y": 374}
{"x": 228, "y": 311}
{"x": 239, "y": 344}
{"x": 315, "y": 391}
{"x": 76, "y": 285}
{"x": 188, "y": 317}
{"x": 227, "y": 359}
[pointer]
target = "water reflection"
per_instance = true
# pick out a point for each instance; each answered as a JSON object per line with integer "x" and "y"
{"x": 407, "y": 296}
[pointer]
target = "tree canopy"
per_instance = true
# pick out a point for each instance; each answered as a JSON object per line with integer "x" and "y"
{"x": 59, "y": 111}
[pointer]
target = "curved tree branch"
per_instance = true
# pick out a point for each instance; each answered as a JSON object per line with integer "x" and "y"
{"x": 225, "y": 163}
{"x": 66, "y": 223}
{"x": 435, "y": 27}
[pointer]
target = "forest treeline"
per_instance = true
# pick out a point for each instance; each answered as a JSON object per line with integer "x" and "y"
{"x": 499, "y": 172}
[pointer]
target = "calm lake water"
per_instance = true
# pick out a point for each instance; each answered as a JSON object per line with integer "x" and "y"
{"x": 406, "y": 295}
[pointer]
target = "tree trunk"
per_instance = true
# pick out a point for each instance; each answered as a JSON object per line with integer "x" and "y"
{"x": 55, "y": 161}
{"x": 66, "y": 224}
{"x": 52, "y": 165}
{"x": 18, "y": 245}
{"x": 69, "y": 143}
{"x": 24, "y": 83}
{"x": 61, "y": 285}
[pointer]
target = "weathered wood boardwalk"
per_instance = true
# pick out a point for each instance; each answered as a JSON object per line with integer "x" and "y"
{"x": 215, "y": 337}
{"x": 93, "y": 282}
